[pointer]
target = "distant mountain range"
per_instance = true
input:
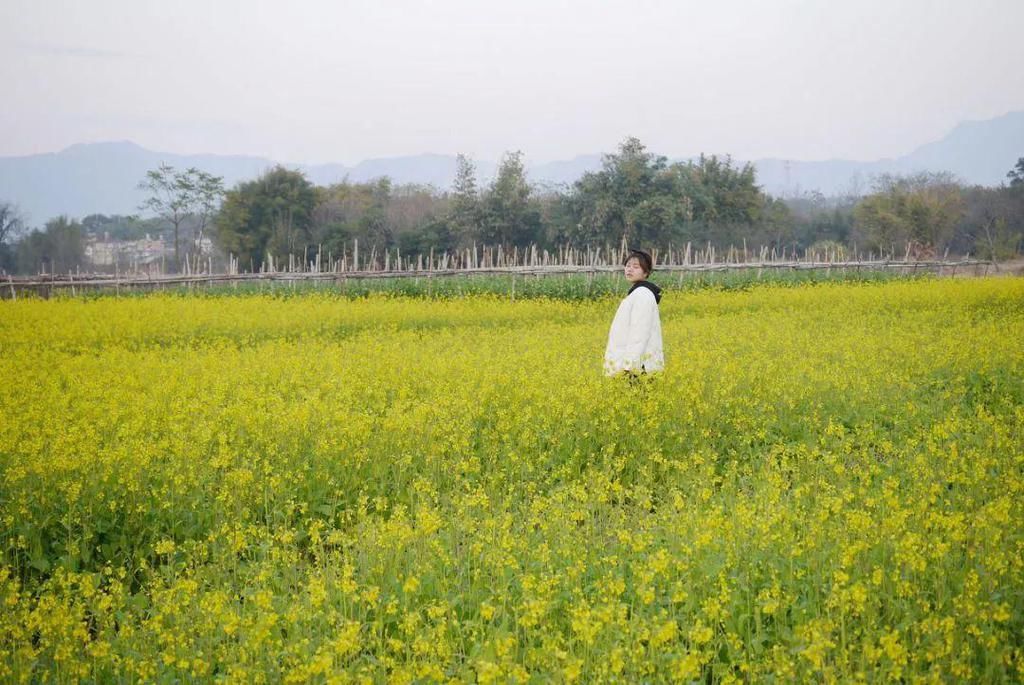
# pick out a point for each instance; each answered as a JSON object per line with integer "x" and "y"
{"x": 977, "y": 152}
{"x": 101, "y": 178}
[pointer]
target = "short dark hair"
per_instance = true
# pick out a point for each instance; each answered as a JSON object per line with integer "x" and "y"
{"x": 646, "y": 263}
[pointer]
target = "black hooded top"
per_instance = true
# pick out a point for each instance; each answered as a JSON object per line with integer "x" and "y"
{"x": 650, "y": 286}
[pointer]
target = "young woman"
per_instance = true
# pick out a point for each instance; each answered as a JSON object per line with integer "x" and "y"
{"x": 634, "y": 341}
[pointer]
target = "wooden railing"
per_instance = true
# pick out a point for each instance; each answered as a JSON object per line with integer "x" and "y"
{"x": 484, "y": 260}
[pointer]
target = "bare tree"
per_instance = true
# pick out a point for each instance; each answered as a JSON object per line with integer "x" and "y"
{"x": 11, "y": 224}
{"x": 10, "y": 221}
{"x": 179, "y": 196}
{"x": 170, "y": 198}
{"x": 207, "y": 192}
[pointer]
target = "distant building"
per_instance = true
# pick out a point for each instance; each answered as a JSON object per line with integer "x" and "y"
{"x": 103, "y": 252}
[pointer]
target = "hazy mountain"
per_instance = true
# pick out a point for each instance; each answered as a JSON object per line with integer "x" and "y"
{"x": 102, "y": 177}
{"x": 978, "y": 152}
{"x": 428, "y": 169}
{"x": 567, "y": 172}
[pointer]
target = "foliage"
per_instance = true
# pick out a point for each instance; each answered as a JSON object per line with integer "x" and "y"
{"x": 271, "y": 215}
{"x": 509, "y": 215}
{"x": 814, "y": 218}
{"x": 637, "y": 194}
{"x": 383, "y": 489}
{"x": 10, "y": 222}
{"x": 374, "y": 224}
{"x": 632, "y": 196}
{"x": 998, "y": 241}
{"x": 992, "y": 226}
{"x": 58, "y": 248}
{"x": 1016, "y": 174}
{"x": 641, "y": 196}
{"x": 11, "y": 225}
{"x": 177, "y": 196}
{"x": 719, "y": 191}
{"x": 118, "y": 227}
{"x": 207, "y": 193}
{"x": 464, "y": 211}
{"x": 380, "y": 215}
{"x": 920, "y": 209}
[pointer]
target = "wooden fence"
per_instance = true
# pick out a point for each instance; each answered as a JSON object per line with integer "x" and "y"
{"x": 529, "y": 261}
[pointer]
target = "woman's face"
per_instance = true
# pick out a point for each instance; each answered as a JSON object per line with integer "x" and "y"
{"x": 634, "y": 272}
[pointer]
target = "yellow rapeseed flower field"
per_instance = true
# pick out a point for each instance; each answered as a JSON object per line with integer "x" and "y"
{"x": 825, "y": 484}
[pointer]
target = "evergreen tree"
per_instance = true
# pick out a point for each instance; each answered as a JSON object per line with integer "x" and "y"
{"x": 464, "y": 211}
{"x": 1016, "y": 174}
{"x": 272, "y": 214}
{"x": 509, "y": 216}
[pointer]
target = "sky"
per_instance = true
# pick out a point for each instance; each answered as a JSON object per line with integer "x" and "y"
{"x": 344, "y": 80}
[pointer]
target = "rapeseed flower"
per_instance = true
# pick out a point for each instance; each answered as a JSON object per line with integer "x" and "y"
{"x": 824, "y": 485}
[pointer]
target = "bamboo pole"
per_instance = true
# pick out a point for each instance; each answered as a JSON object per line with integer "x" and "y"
{"x": 481, "y": 259}
{"x": 45, "y": 281}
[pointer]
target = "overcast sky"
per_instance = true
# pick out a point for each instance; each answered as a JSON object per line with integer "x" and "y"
{"x": 345, "y": 81}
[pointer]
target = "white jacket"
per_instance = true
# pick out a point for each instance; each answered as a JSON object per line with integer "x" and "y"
{"x": 634, "y": 341}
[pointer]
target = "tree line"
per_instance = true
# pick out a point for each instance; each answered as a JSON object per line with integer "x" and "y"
{"x": 636, "y": 194}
